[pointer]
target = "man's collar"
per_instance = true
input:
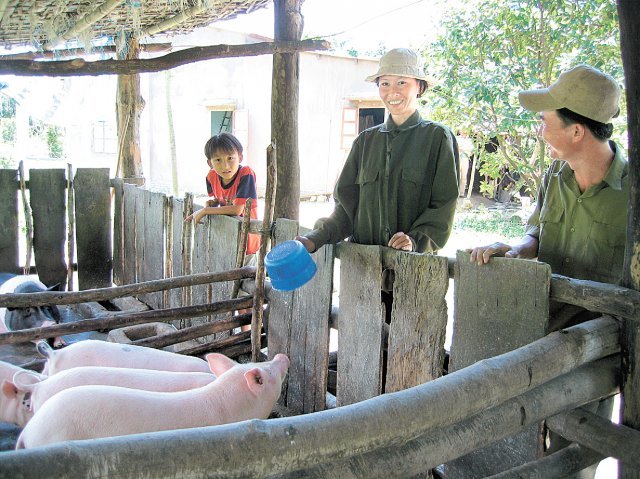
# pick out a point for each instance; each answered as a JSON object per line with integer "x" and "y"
{"x": 617, "y": 168}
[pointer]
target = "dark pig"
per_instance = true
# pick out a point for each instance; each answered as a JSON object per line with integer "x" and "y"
{"x": 15, "y": 319}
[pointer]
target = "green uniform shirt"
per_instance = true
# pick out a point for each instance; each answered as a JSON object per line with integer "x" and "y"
{"x": 395, "y": 179}
{"x": 583, "y": 235}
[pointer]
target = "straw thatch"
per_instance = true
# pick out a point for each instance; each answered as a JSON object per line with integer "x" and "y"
{"x": 45, "y": 24}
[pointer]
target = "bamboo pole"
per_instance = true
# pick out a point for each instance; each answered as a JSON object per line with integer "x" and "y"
{"x": 84, "y": 23}
{"x": 168, "y": 249}
{"x": 3, "y": 8}
{"x": 240, "y": 338}
{"x": 242, "y": 243}
{"x": 187, "y": 245}
{"x": 563, "y": 463}
{"x": 126, "y": 319}
{"x": 595, "y": 296}
{"x": 282, "y": 445}
{"x": 258, "y": 297}
{"x": 27, "y": 219}
{"x": 182, "y": 17}
{"x": 71, "y": 231}
{"x": 599, "y": 434}
{"x": 192, "y": 332}
{"x": 48, "y": 298}
{"x": 75, "y": 52}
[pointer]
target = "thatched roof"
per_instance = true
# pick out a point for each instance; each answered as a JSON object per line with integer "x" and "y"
{"x": 43, "y": 24}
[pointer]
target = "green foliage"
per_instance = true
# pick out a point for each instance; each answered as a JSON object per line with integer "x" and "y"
{"x": 504, "y": 224}
{"x": 8, "y": 130}
{"x": 54, "y": 142}
{"x": 495, "y": 48}
{"x": 7, "y": 107}
{"x": 5, "y": 162}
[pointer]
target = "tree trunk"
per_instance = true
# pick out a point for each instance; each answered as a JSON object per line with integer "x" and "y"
{"x": 284, "y": 109}
{"x": 128, "y": 108}
{"x": 628, "y": 13}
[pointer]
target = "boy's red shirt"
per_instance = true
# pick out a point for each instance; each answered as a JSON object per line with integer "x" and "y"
{"x": 243, "y": 186}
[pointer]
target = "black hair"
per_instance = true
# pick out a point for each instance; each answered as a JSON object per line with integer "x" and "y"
{"x": 224, "y": 142}
{"x": 423, "y": 86}
{"x": 602, "y": 131}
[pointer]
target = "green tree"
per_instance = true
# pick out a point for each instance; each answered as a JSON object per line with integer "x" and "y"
{"x": 492, "y": 49}
{"x": 54, "y": 142}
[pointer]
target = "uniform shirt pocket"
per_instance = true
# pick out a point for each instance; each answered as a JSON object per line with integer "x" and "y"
{"x": 550, "y": 222}
{"x": 413, "y": 182}
{"x": 606, "y": 248}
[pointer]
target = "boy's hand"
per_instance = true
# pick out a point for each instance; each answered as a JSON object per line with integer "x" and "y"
{"x": 196, "y": 216}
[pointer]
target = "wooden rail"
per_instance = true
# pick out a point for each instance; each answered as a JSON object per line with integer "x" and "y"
{"x": 424, "y": 412}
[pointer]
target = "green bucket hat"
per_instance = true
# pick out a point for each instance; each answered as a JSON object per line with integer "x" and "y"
{"x": 401, "y": 62}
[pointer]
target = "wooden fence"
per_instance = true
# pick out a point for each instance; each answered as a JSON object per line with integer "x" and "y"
{"x": 505, "y": 374}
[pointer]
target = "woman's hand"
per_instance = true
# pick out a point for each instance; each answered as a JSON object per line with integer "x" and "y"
{"x": 401, "y": 241}
{"x": 308, "y": 244}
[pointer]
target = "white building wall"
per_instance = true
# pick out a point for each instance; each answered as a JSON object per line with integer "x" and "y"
{"x": 325, "y": 83}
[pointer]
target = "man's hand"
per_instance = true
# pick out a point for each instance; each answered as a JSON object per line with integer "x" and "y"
{"x": 401, "y": 241}
{"x": 481, "y": 254}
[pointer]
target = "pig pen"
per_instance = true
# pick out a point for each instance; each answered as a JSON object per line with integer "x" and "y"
{"x": 397, "y": 415}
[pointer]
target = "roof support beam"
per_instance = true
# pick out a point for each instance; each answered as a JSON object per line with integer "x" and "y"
{"x": 79, "y": 67}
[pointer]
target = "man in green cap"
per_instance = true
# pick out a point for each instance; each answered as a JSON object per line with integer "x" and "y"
{"x": 580, "y": 220}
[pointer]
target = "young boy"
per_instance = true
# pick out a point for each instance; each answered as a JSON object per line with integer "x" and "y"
{"x": 229, "y": 184}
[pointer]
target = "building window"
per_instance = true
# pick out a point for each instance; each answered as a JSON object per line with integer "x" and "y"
{"x": 221, "y": 122}
{"x": 105, "y": 139}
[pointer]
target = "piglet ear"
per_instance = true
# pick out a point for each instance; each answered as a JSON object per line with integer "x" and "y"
{"x": 9, "y": 389}
{"x": 255, "y": 380}
{"x": 219, "y": 363}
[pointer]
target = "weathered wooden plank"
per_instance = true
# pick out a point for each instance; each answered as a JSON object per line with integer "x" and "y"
{"x": 310, "y": 337}
{"x": 130, "y": 256}
{"x": 176, "y": 295}
{"x": 361, "y": 324}
{"x": 499, "y": 307}
{"x": 93, "y": 227}
{"x": 200, "y": 264}
{"x": 153, "y": 235}
{"x": 9, "y": 261}
{"x": 418, "y": 319}
{"x": 118, "y": 231}
{"x": 47, "y": 190}
{"x": 281, "y": 309}
{"x": 224, "y": 234}
{"x": 140, "y": 211}
{"x": 492, "y": 315}
{"x": 299, "y": 327}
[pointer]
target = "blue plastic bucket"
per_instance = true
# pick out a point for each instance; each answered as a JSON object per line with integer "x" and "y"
{"x": 289, "y": 265}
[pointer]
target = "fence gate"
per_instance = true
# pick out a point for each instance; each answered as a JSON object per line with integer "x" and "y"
{"x": 499, "y": 307}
